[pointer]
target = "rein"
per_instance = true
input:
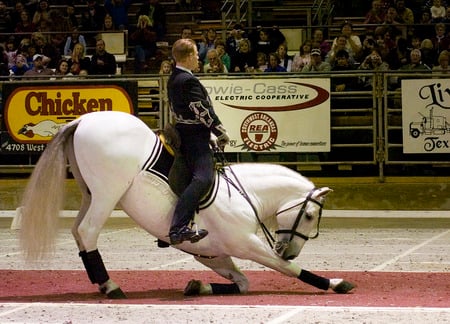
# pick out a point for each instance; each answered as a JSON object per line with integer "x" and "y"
{"x": 238, "y": 186}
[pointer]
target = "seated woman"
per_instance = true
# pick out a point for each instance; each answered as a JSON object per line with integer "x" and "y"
{"x": 78, "y": 61}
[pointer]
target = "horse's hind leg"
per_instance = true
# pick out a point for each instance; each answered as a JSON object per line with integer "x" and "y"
{"x": 88, "y": 251}
{"x": 227, "y": 269}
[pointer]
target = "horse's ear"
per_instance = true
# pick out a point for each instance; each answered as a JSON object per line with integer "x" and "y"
{"x": 323, "y": 192}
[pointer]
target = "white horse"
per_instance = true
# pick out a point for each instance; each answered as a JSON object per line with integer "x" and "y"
{"x": 116, "y": 159}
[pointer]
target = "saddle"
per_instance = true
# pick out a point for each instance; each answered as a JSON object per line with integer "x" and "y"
{"x": 179, "y": 175}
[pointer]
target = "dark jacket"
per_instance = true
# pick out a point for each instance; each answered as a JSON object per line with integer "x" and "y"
{"x": 191, "y": 105}
{"x": 109, "y": 67}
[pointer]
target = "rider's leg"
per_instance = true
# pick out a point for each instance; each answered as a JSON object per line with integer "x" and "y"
{"x": 202, "y": 166}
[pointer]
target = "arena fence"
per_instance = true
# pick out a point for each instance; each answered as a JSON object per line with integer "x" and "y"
{"x": 366, "y": 124}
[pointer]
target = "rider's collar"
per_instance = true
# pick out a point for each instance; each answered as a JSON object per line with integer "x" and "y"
{"x": 184, "y": 69}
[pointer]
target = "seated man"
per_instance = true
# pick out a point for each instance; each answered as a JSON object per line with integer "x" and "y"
{"x": 102, "y": 62}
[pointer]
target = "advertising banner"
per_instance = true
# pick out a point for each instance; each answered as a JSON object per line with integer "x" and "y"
{"x": 33, "y": 113}
{"x": 426, "y": 116}
{"x": 273, "y": 115}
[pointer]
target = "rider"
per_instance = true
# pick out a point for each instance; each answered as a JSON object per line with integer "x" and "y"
{"x": 195, "y": 120}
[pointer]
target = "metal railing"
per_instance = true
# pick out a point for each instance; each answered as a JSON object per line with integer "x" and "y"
{"x": 366, "y": 129}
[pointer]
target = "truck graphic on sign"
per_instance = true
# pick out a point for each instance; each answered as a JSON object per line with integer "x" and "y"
{"x": 430, "y": 125}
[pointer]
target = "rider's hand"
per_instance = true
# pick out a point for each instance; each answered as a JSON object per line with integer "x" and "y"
{"x": 222, "y": 136}
{"x": 223, "y": 140}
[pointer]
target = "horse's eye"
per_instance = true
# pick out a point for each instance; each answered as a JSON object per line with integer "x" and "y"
{"x": 308, "y": 216}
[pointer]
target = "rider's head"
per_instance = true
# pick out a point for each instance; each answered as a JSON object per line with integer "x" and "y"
{"x": 185, "y": 53}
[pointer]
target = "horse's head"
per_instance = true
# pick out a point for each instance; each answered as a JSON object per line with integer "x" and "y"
{"x": 298, "y": 222}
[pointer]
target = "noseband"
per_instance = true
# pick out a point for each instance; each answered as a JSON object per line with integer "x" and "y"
{"x": 300, "y": 214}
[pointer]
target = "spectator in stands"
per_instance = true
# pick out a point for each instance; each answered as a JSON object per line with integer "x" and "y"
{"x": 303, "y": 57}
{"x": 30, "y": 49}
{"x": 398, "y": 54}
{"x": 368, "y": 44}
{"x": 440, "y": 39}
{"x": 244, "y": 60}
{"x": 25, "y": 27}
{"x": 166, "y": 67}
{"x": 276, "y": 37}
{"x": 157, "y": 14}
{"x": 263, "y": 43}
{"x": 392, "y": 23}
{"x": 372, "y": 62}
{"x": 186, "y": 32}
{"x": 438, "y": 11}
{"x": 237, "y": 34}
{"x": 78, "y": 61}
{"x": 92, "y": 16}
{"x": 415, "y": 62}
{"x": 144, "y": 39}
{"x": 285, "y": 59}
{"x": 62, "y": 70}
{"x": 341, "y": 44}
{"x": 20, "y": 66}
{"x": 72, "y": 40}
{"x": 39, "y": 71}
{"x": 42, "y": 14}
{"x": 214, "y": 64}
{"x": 208, "y": 42}
{"x": 223, "y": 55}
{"x": 343, "y": 82}
{"x": 443, "y": 60}
{"x": 118, "y": 10}
{"x": 375, "y": 15}
{"x": 261, "y": 62}
{"x": 102, "y": 62}
{"x": 60, "y": 28}
{"x": 274, "y": 64}
{"x": 15, "y": 13}
{"x": 71, "y": 16}
{"x": 6, "y": 26}
{"x": 353, "y": 44}
{"x": 320, "y": 42}
{"x": 429, "y": 54}
{"x": 11, "y": 52}
{"x": 405, "y": 16}
{"x": 46, "y": 49}
{"x": 424, "y": 28}
{"x": 108, "y": 24}
{"x": 316, "y": 63}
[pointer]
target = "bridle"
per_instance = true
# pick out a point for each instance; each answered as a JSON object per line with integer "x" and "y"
{"x": 300, "y": 214}
{"x": 270, "y": 239}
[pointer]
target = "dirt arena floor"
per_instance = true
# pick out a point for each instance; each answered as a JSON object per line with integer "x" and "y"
{"x": 401, "y": 266}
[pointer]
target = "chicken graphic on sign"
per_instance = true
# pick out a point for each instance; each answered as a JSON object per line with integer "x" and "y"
{"x": 45, "y": 128}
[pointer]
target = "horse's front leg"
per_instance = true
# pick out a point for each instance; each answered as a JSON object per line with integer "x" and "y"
{"x": 227, "y": 269}
{"x": 261, "y": 253}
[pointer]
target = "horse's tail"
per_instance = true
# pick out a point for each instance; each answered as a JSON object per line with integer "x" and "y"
{"x": 44, "y": 197}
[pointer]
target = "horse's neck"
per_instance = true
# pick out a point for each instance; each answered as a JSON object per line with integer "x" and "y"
{"x": 269, "y": 186}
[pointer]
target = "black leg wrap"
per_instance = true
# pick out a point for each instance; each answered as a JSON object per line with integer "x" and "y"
{"x": 94, "y": 266}
{"x": 225, "y": 289}
{"x": 314, "y": 280}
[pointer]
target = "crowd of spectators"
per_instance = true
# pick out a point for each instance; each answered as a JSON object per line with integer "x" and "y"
{"x": 66, "y": 35}
{"x": 396, "y": 35}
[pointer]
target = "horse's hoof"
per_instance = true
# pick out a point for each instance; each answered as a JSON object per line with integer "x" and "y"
{"x": 116, "y": 294}
{"x": 193, "y": 288}
{"x": 343, "y": 287}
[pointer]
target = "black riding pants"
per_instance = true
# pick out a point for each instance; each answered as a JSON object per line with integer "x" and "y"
{"x": 199, "y": 159}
